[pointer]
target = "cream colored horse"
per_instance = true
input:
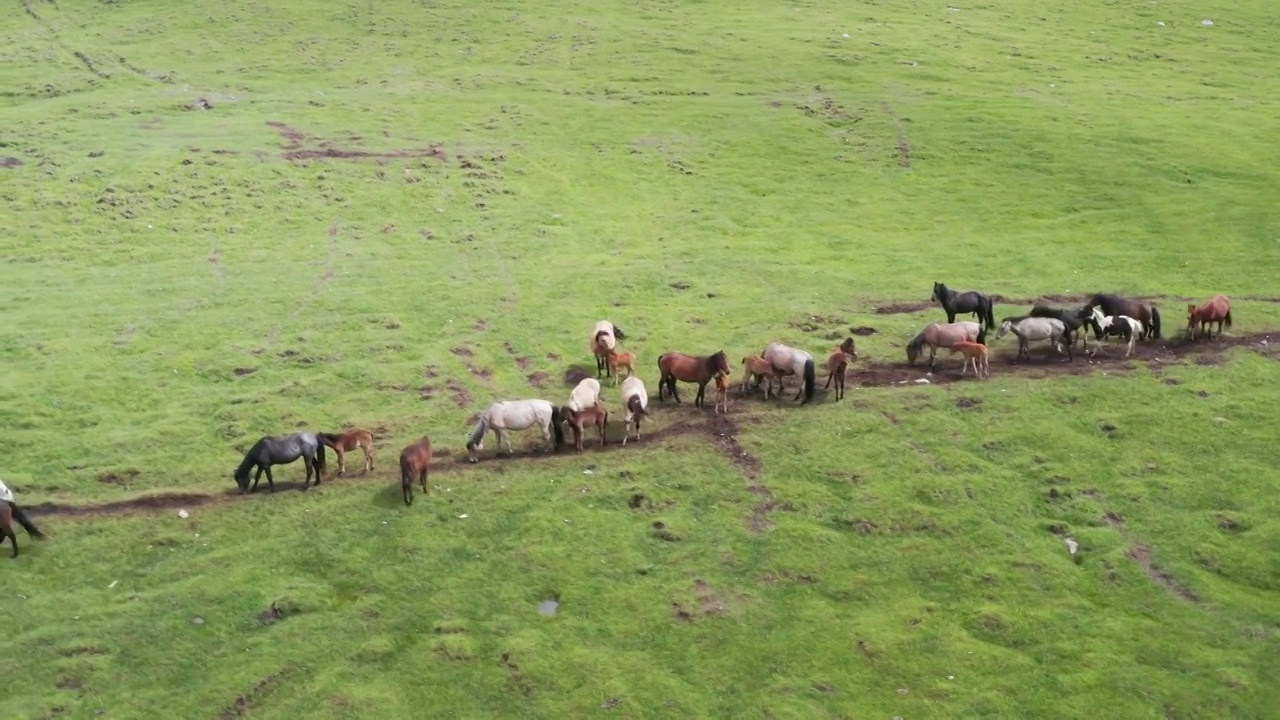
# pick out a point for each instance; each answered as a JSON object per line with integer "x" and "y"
{"x": 941, "y": 335}
{"x": 636, "y": 401}
{"x": 586, "y": 394}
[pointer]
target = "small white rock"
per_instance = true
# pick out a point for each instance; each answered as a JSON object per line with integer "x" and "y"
{"x": 1206, "y": 23}
{"x": 463, "y": 516}
{"x": 922, "y": 381}
{"x": 586, "y": 472}
{"x": 845, "y": 36}
{"x": 184, "y": 514}
{"x": 1072, "y": 545}
{"x": 1160, "y": 23}
{"x": 113, "y": 584}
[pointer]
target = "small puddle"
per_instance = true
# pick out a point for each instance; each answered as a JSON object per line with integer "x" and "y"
{"x": 547, "y": 608}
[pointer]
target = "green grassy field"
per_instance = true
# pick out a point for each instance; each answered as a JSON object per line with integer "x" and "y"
{"x": 236, "y": 220}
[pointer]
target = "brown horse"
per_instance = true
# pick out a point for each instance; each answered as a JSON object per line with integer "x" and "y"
{"x": 350, "y": 440}
{"x": 837, "y": 364}
{"x": 579, "y": 420}
{"x": 6, "y": 527}
{"x": 942, "y": 335}
{"x": 415, "y": 460}
{"x": 1216, "y": 309}
{"x": 675, "y": 366}
{"x": 756, "y": 367}
{"x": 617, "y": 360}
{"x": 975, "y": 353}
{"x": 722, "y": 392}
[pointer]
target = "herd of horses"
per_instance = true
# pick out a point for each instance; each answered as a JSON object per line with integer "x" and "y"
{"x": 1107, "y": 315}
{"x": 584, "y": 412}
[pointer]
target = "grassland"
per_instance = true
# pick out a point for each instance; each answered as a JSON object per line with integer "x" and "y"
{"x": 240, "y": 219}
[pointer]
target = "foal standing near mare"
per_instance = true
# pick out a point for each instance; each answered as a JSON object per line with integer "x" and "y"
{"x": 415, "y": 460}
{"x": 636, "y": 401}
{"x": 604, "y": 337}
{"x": 757, "y": 367}
{"x": 347, "y": 441}
{"x": 673, "y": 366}
{"x": 280, "y": 450}
{"x": 975, "y": 353}
{"x": 1145, "y": 313}
{"x": 955, "y": 303}
{"x": 942, "y": 335}
{"x": 838, "y": 363}
{"x": 579, "y": 420}
{"x": 722, "y": 393}
{"x": 1216, "y": 309}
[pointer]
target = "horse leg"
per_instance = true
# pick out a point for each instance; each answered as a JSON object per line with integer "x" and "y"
{"x": 271, "y": 483}
{"x": 312, "y": 462}
{"x": 671, "y": 386}
{"x": 423, "y": 478}
{"x": 368, "y": 458}
{"x": 840, "y": 384}
{"x": 700, "y": 400}
{"x": 256, "y": 478}
{"x": 13, "y": 538}
{"x": 342, "y": 463}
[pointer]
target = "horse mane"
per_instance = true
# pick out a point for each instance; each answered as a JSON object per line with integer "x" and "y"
{"x": 477, "y": 433}
{"x": 917, "y": 342}
{"x": 250, "y": 459}
{"x": 712, "y": 364}
{"x": 1015, "y": 319}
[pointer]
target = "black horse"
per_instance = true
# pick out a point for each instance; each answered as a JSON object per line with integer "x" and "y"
{"x": 280, "y": 450}
{"x": 955, "y": 303}
{"x": 1075, "y": 319}
{"x": 1145, "y": 313}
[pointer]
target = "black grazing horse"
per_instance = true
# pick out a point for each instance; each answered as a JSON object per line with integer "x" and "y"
{"x": 280, "y": 450}
{"x": 1075, "y": 319}
{"x": 1145, "y": 313}
{"x": 973, "y": 302}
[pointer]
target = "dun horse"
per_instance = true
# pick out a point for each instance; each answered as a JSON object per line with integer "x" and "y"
{"x": 942, "y": 335}
{"x": 280, "y": 450}
{"x": 975, "y": 353}
{"x": 578, "y": 420}
{"x": 957, "y": 303}
{"x": 722, "y": 393}
{"x": 636, "y": 401}
{"x": 673, "y": 366}
{"x": 1216, "y": 309}
{"x": 1144, "y": 313}
{"x": 604, "y": 337}
{"x": 585, "y": 394}
{"x": 415, "y": 461}
{"x": 347, "y": 441}
{"x": 756, "y": 367}
{"x": 502, "y": 417}
{"x": 787, "y": 360}
{"x": 617, "y": 360}
{"x": 837, "y": 365}
{"x": 1035, "y": 329}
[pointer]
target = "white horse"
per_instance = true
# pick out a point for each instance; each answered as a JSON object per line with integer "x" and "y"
{"x": 508, "y": 415}
{"x": 586, "y": 394}
{"x": 636, "y": 401}
{"x": 1121, "y": 326}
{"x": 604, "y": 338}
{"x": 1034, "y": 329}
{"x": 787, "y": 360}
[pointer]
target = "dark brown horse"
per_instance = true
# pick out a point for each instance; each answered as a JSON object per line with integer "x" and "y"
{"x": 347, "y": 441}
{"x": 1216, "y": 309}
{"x": 579, "y": 420}
{"x": 1145, "y": 313}
{"x": 414, "y": 462}
{"x": 675, "y": 366}
{"x": 9, "y": 512}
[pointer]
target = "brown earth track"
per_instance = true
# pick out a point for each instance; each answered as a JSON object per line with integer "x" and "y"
{"x": 1062, "y": 300}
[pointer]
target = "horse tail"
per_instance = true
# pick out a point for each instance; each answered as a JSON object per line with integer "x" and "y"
{"x": 617, "y": 332}
{"x": 327, "y": 438}
{"x": 1227, "y": 319}
{"x": 991, "y": 315}
{"x": 556, "y": 419}
{"x": 982, "y": 334}
{"x": 320, "y": 456}
{"x": 810, "y": 379}
{"x": 24, "y": 521}
{"x": 1155, "y": 322}
{"x": 477, "y": 433}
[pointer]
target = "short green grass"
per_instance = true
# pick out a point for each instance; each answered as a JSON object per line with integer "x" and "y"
{"x": 708, "y": 176}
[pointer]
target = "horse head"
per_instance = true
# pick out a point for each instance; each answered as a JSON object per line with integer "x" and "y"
{"x": 719, "y": 362}
{"x": 939, "y": 292}
{"x": 1005, "y": 327}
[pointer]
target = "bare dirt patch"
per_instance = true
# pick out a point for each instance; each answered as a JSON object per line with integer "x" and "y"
{"x": 462, "y": 351}
{"x": 10, "y": 161}
{"x": 272, "y": 615}
{"x": 965, "y": 403}
{"x": 538, "y": 379}
{"x": 576, "y": 374}
{"x": 523, "y": 363}
{"x": 121, "y": 478}
{"x": 460, "y": 395}
{"x": 1142, "y": 554}
{"x": 320, "y": 148}
{"x": 244, "y": 704}
{"x": 242, "y": 371}
{"x": 862, "y": 330}
{"x": 902, "y": 308}
{"x": 484, "y": 374}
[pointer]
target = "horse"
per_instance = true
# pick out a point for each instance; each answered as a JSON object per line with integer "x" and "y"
{"x": 848, "y": 347}
{"x": 1033, "y": 329}
{"x": 722, "y": 393}
{"x": 579, "y": 420}
{"x": 1121, "y": 326}
{"x": 942, "y": 335}
{"x": 604, "y": 337}
{"x": 1144, "y": 313}
{"x": 280, "y": 450}
{"x": 1216, "y": 309}
{"x": 1075, "y": 319}
{"x": 975, "y": 353}
{"x": 6, "y": 527}
{"x": 757, "y": 367}
{"x": 636, "y": 401}
{"x": 837, "y": 363}
{"x": 787, "y": 360}
{"x": 618, "y": 360}
{"x": 350, "y": 440}
{"x": 673, "y": 366}
{"x": 585, "y": 394}
{"x": 415, "y": 460}
{"x": 9, "y": 506}
{"x": 955, "y": 303}
{"x": 508, "y": 415}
